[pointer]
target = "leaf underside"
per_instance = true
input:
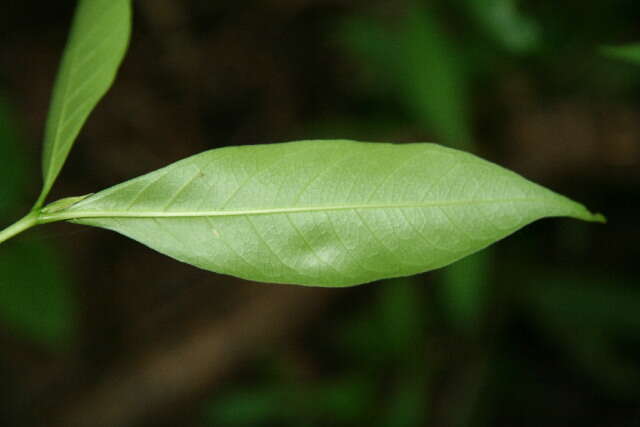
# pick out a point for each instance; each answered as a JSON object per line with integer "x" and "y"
{"x": 97, "y": 43}
{"x": 323, "y": 213}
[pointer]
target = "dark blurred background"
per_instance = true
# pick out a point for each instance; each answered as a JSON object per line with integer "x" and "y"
{"x": 542, "y": 329}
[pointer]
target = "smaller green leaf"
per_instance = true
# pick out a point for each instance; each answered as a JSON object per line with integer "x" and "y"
{"x": 629, "y": 53}
{"x": 97, "y": 43}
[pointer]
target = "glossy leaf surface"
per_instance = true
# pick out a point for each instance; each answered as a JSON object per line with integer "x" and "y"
{"x": 327, "y": 213}
{"x": 94, "y": 51}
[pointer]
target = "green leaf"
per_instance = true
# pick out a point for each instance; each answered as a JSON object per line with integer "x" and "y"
{"x": 326, "y": 213}
{"x": 94, "y": 51}
{"x": 590, "y": 317}
{"x": 629, "y": 53}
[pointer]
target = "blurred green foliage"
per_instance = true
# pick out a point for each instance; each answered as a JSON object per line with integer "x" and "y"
{"x": 502, "y": 22}
{"x": 35, "y": 299}
{"x": 630, "y": 53}
{"x": 35, "y": 296}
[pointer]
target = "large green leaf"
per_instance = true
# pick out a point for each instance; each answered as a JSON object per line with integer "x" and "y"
{"x": 328, "y": 213}
{"x": 94, "y": 51}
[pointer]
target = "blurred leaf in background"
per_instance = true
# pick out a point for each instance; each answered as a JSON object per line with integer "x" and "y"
{"x": 36, "y": 301}
{"x": 345, "y": 402}
{"x": 503, "y": 23}
{"x": 465, "y": 292}
{"x": 420, "y": 67}
{"x": 12, "y": 172}
{"x": 629, "y": 53}
{"x": 590, "y": 319}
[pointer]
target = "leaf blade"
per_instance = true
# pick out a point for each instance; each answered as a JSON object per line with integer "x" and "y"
{"x": 327, "y": 213}
{"x": 96, "y": 46}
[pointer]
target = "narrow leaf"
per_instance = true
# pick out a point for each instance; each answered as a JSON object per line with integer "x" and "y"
{"x": 326, "y": 213}
{"x": 94, "y": 51}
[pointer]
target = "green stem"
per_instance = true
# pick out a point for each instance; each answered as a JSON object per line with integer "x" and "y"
{"x": 38, "y": 204}
{"x": 30, "y": 220}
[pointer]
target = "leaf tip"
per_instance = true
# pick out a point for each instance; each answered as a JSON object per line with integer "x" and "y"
{"x": 598, "y": 217}
{"x": 583, "y": 213}
{"x": 587, "y": 215}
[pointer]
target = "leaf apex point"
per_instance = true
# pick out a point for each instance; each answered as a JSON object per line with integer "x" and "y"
{"x": 598, "y": 217}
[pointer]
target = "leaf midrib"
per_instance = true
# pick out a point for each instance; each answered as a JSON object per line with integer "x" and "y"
{"x": 70, "y": 215}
